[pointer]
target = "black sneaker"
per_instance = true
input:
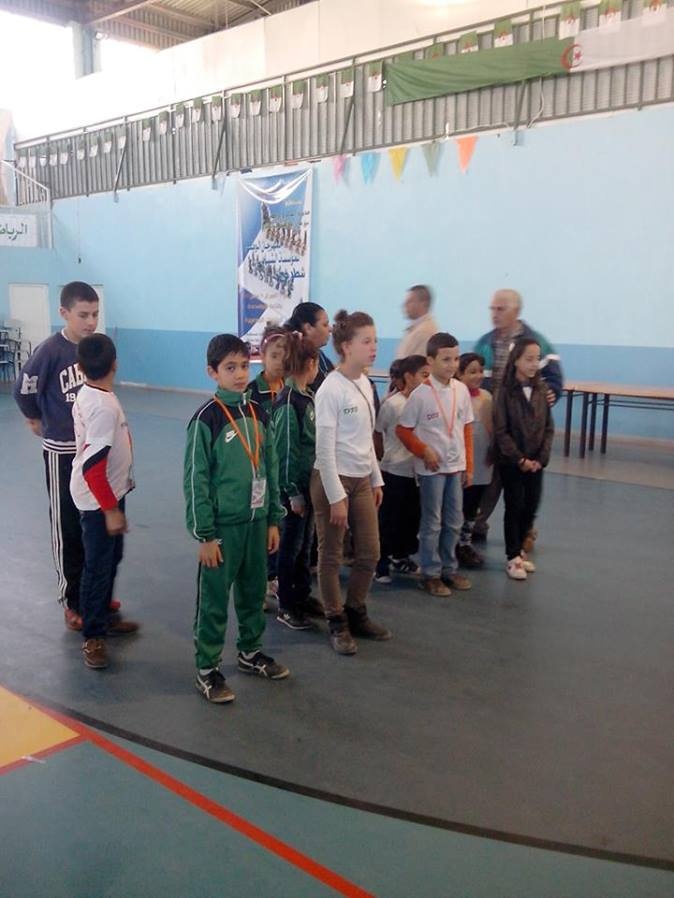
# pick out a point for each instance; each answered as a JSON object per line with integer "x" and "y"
{"x": 213, "y": 687}
{"x": 294, "y": 621}
{"x": 468, "y": 557}
{"x": 404, "y": 566}
{"x": 479, "y": 536}
{"x": 262, "y": 666}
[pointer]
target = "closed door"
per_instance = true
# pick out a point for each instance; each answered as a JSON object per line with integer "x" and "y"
{"x": 29, "y": 310}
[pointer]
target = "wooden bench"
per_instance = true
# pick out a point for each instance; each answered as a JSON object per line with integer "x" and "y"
{"x": 623, "y": 395}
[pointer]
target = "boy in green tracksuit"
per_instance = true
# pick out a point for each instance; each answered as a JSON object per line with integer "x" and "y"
{"x": 232, "y": 508}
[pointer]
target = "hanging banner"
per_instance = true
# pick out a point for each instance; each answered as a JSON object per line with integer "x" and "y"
{"x": 274, "y": 248}
{"x": 468, "y": 42}
{"x": 18, "y": 230}
{"x": 503, "y": 33}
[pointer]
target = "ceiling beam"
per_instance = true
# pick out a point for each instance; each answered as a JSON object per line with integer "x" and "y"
{"x": 120, "y": 11}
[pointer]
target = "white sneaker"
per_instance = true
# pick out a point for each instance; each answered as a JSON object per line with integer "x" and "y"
{"x": 272, "y": 589}
{"x": 515, "y": 570}
{"x": 528, "y": 566}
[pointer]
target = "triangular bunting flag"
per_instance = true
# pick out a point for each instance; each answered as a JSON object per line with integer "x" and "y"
{"x": 431, "y": 155}
{"x": 466, "y": 148}
{"x": 397, "y": 155}
{"x": 368, "y": 165}
{"x": 338, "y": 166}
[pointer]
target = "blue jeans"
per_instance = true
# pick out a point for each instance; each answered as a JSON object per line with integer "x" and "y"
{"x": 294, "y": 574}
{"x": 102, "y": 554}
{"x": 441, "y": 520}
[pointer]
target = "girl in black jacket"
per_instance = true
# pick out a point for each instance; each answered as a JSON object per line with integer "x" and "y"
{"x": 523, "y": 432}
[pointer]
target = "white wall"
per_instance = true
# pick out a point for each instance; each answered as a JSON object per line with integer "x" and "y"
{"x": 305, "y": 37}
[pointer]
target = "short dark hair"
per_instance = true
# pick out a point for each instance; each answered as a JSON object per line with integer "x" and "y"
{"x": 440, "y": 341}
{"x": 76, "y": 291}
{"x": 467, "y": 358}
{"x": 422, "y": 292}
{"x": 412, "y": 363}
{"x": 95, "y": 356}
{"x": 223, "y": 345}
{"x": 304, "y": 313}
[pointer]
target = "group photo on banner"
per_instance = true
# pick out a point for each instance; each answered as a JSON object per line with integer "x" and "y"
{"x": 274, "y": 249}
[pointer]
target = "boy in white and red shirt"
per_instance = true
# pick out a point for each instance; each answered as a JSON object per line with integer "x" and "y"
{"x": 436, "y": 427}
{"x": 101, "y": 477}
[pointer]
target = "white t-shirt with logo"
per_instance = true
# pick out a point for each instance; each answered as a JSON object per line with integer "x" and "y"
{"x": 397, "y": 459}
{"x": 438, "y": 413}
{"x": 345, "y": 418}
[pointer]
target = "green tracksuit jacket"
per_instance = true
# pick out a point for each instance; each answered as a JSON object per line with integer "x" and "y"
{"x": 294, "y": 420}
{"x": 218, "y": 485}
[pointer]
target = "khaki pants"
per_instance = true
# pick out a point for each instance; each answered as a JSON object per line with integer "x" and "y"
{"x": 365, "y": 531}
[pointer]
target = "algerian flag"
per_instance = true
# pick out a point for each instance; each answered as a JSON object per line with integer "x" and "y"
{"x": 346, "y": 79}
{"x": 163, "y": 123}
{"x": 297, "y": 94}
{"x": 32, "y": 161}
{"x": 80, "y": 149}
{"x": 275, "y": 97}
{"x": 121, "y": 141}
{"x": 569, "y": 19}
{"x": 64, "y": 155}
{"x": 234, "y": 105}
{"x": 503, "y": 33}
{"x": 654, "y": 12}
{"x": 21, "y": 162}
{"x": 375, "y": 74}
{"x": 255, "y": 102}
{"x": 53, "y": 158}
{"x": 179, "y": 115}
{"x": 107, "y": 142}
{"x": 322, "y": 88}
{"x": 146, "y": 130}
{"x": 610, "y": 13}
{"x": 197, "y": 109}
{"x": 468, "y": 42}
{"x": 93, "y": 147}
{"x": 434, "y": 51}
{"x": 629, "y": 41}
{"x": 216, "y": 107}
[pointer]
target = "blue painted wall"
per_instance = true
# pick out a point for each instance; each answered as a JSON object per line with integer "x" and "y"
{"x": 578, "y": 217}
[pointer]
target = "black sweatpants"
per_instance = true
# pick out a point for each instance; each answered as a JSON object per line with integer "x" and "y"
{"x": 102, "y": 554}
{"x": 66, "y": 529}
{"x": 522, "y": 495}
{"x": 399, "y": 517}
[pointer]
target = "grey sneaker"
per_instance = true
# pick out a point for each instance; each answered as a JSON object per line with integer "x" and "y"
{"x": 262, "y": 666}
{"x": 213, "y": 687}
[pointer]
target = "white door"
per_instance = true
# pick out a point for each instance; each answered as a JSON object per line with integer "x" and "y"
{"x": 29, "y": 308}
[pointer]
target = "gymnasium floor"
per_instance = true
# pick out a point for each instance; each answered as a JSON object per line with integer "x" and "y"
{"x": 515, "y": 741}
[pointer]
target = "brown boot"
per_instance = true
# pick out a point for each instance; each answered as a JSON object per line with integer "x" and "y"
{"x": 457, "y": 581}
{"x": 340, "y": 636}
{"x": 95, "y": 653}
{"x": 435, "y": 587}
{"x": 120, "y": 626}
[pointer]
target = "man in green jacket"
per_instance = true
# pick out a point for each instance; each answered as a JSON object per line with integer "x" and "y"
{"x": 233, "y": 510}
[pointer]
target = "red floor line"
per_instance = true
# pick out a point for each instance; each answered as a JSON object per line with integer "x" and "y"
{"x": 40, "y": 755}
{"x": 219, "y": 812}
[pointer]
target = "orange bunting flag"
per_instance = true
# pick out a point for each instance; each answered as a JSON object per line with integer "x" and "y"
{"x": 398, "y": 155}
{"x": 466, "y": 148}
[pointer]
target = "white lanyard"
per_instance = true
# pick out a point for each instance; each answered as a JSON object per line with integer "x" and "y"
{"x": 438, "y": 401}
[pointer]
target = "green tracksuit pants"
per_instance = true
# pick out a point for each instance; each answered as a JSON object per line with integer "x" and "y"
{"x": 244, "y": 567}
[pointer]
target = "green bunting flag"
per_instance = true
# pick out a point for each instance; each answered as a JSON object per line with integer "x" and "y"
{"x": 431, "y": 153}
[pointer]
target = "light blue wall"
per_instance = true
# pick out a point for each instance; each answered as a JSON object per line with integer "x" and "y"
{"x": 578, "y": 217}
